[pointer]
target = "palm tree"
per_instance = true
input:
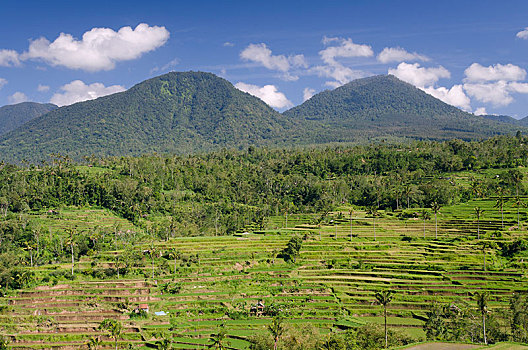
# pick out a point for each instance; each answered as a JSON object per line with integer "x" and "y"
{"x": 484, "y": 246}
{"x": 482, "y": 303}
{"x": 426, "y": 215}
{"x": 219, "y": 339}
{"x": 518, "y": 202}
{"x": 165, "y": 343}
{"x": 94, "y": 343}
{"x": 500, "y": 204}
{"x": 350, "y": 212}
{"x": 435, "y": 207}
{"x": 276, "y": 329}
{"x": 113, "y": 327}
{"x": 373, "y": 211}
{"x": 478, "y": 213}
{"x": 384, "y": 297}
{"x": 71, "y": 243}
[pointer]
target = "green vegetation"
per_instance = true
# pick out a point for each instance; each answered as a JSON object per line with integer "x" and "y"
{"x": 13, "y": 116}
{"x": 258, "y": 249}
{"x": 195, "y": 112}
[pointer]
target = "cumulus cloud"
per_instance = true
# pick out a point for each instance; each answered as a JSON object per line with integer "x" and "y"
{"x": 3, "y": 82}
{"x": 99, "y": 49}
{"x": 308, "y": 93}
{"x": 340, "y": 48}
{"x": 454, "y": 96}
{"x": 17, "y": 97}
{"x": 267, "y": 93}
{"x": 78, "y": 91}
{"x": 397, "y": 54}
{"x": 480, "y": 111}
{"x": 523, "y": 34}
{"x": 346, "y": 48}
{"x": 9, "y": 58}
{"x": 497, "y": 93}
{"x": 508, "y": 72}
{"x": 43, "y": 88}
{"x": 419, "y": 76}
{"x": 261, "y": 54}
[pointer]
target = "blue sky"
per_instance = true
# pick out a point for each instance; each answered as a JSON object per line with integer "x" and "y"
{"x": 470, "y": 54}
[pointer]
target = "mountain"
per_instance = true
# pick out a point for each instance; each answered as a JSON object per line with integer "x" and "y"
{"x": 188, "y": 112}
{"x": 385, "y": 107}
{"x": 502, "y": 119}
{"x": 12, "y": 116}
{"x": 176, "y": 112}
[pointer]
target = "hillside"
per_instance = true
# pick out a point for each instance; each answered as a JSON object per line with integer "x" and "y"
{"x": 314, "y": 235}
{"x": 384, "y": 106}
{"x": 175, "y": 112}
{"x": 13, "y": 116}
{"x": 194, "y": 112}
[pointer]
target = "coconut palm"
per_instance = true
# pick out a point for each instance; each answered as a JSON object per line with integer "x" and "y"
{"x": 384, "y": 297}
{"x": 426, "y": 215}
{"x": 94, "y": 343}
{"x": 373, "y": 211}
{"x": 435, "y": 207}
{"x": 500, "y": 204}
{"x": 478, "y": 213}
{"x": 276, "y": 329}
{"x": 113, "y": 327}
{"x": 482, "y": 303}
{"x": 518, "y": 202}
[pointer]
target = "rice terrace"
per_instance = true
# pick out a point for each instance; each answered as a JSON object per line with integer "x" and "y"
{"x": 263, "y": 175}
{"x": 118, "y": 242}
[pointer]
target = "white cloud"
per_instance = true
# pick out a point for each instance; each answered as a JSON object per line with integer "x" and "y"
{"x": 521, "y": 88}
{"x": 397, "y": 54}
{"x": 166, "y": 67}
{"x": 9, "y": 58}
{"x": 99, "y": 49}
{"x": 523, "y": 34}
{"x": 508, "y": 72}
{"x": 17, "y": 97}
{"x": 308, "y": 93}
{"x": 346, "y": 49}
{"x": 419, "y": 76}
{"x": 480, "y": 111}
{"x": 454, "y": 96}
{"x": 260, "y": 53}
{"x": 3, "y": 82}
{"x": 43, "y": 88}
{"x": 496, "y": 93}
{"x": 78, "y": 91}
{"x": 267, "y": 93}
{"x": 228, "y": 44}
{"x": 342, "y": 48}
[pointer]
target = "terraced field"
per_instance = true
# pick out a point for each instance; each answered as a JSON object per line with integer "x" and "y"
{"x": 197, "y": 284}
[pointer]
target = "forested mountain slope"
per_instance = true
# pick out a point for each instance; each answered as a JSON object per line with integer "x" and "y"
{"x": 175, "y": 112}
{"x": 384, "y": 106}
{"x": 13, "y": 116}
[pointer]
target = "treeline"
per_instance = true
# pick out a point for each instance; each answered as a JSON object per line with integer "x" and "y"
{"x": 224, "y": 191}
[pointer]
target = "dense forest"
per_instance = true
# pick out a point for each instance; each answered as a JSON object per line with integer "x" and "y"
{"x": 225, "y": 192}
{"x": 196, "y": 112}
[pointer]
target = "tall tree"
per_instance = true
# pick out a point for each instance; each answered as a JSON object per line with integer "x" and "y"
{"x": 384, "y": 298}
{"x": 373, "y": 212}
{"x": 276, "y": 328}
{"x": 482, "y": 303}
{"x": 426, "y": 215}
{"x": 478, "y": 212}
{"x": 113, "y": 327}
{"x": 435, "y": 207}
{"x": 500, "y": 204}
